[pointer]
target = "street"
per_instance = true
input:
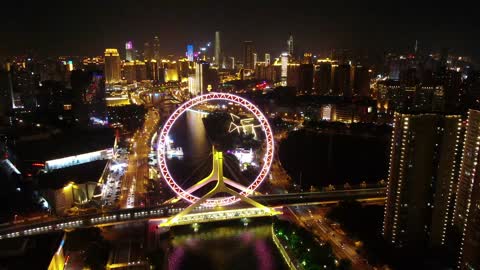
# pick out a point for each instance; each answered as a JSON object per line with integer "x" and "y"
{"x": 313, "y": 219}
{"x": 136, "y": 177}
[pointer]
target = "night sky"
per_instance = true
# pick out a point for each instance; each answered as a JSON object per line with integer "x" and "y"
{"x": 87, "y": 27}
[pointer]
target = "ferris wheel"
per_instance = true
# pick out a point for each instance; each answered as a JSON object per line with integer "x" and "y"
{"x": 223, "y": 184}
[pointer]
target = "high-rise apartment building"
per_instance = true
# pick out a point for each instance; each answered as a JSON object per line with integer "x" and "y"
{"x": 112, "y": 66}
{"x": 424, "y": 161}
{"x": 466, "y": 216}
{"x": 248, "y": 51}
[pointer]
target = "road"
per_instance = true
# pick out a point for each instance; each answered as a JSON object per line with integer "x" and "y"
{"x": 128, "y": 215}
{"x": 313, "y": 218}
{"x": 133, "y": 186}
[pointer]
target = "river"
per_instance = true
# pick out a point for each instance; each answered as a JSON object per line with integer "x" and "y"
{"x": 234, "y": 248}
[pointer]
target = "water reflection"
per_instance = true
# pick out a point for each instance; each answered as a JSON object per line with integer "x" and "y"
{"x": 237, "y": 248}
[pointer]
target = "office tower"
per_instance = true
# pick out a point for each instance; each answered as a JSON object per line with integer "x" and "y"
{"x": 424, "y": 161}
{"x": 290, "y": 46}
{"x": 267, "y": 59}
{"x": 112, "y": 66}
{"x": 190, "y": 53}
{"x": 305, "y": 83}
{"x": 129, "y": 72}
{"x": 361, "y": 82}
{"x": 129, "y": 51}
{"x": 201, "y": 84}
{"x": 140, "y": 71}
{"x": 156, "y": 49}
{"x": 255, "y": 59}
{"x": 248, "y": 51}
{"x": 218, "y": 50}
{"x": 466, "y": 216}
{"x": 323, "y": 76}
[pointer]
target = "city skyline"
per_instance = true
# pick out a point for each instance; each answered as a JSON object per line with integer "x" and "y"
{"x": 87, "y": 29}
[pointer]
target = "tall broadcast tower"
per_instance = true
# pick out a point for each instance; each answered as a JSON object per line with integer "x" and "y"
{"x": 218, "y": 50}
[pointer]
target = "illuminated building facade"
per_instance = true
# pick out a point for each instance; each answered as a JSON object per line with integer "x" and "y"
{"x": 129, "y": 73}
{"x": 424, "y": 161}
{"x": 201, "y": 76}
{"x": 466, "y": 217}
{"x": 284, "y": 63}
{"x": 190, "y": 53}
{"x": 267, "y": 59}
{"x": 218, "y": 51}
{"x": 129, "y": 51}
{"x": 248, "y": 51}
{"x": 291, "y": 49}
{"x": 171, "y": 75}
{"x": 112, "y": 66}
{"x": 152, "y": 70}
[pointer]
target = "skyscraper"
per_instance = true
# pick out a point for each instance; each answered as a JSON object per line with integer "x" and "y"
{"x": 466, "y": 216}
{"x": 284, "y": 67}
{"x": 129, "y": 51}
{"x": 248, "y": 51}
{"x": 255, "y": 60}
{"x": 156, "y": 49}
{"x": 218, "y": 50}
{"x": 201, "y": 70}
{"x": 290, "y": 46}
{"x": 112, "y": 66}
{"x": 267, "y": 59}
{"x": 190, "y": 53}
{"x": 423, "y": 168}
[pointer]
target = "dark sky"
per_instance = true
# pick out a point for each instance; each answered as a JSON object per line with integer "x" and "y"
{"x": 86, "y": 27}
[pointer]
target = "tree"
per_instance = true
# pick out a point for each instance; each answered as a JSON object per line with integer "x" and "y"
{"x": 344, "y": 264}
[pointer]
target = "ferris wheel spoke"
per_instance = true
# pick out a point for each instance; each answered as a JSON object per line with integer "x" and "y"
{"x": 238, "y": 186}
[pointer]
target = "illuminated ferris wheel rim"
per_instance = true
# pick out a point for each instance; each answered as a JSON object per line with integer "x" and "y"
{"x": 162, "y": 140}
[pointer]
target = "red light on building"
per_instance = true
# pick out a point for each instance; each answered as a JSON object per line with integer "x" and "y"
{"x": 38, "y": 164}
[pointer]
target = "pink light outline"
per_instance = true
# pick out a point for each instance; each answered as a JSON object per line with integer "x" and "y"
{"x": 161, "y": 146}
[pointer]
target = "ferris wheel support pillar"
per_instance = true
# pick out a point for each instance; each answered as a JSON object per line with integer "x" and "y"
{"x": 220, "y": 187}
